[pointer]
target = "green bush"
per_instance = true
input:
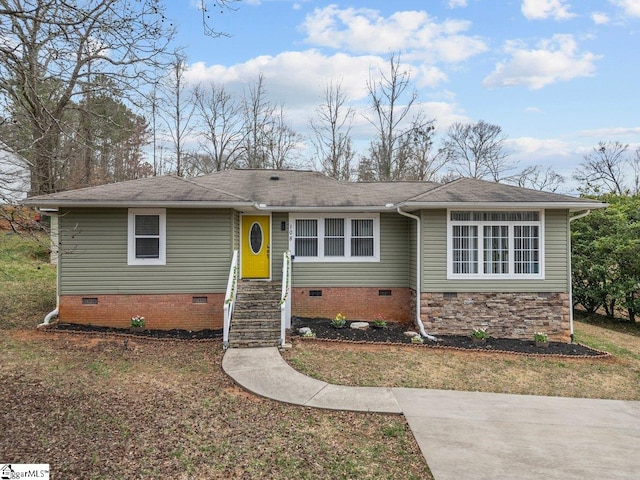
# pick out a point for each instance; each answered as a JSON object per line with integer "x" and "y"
{"x": 605, "y": 253}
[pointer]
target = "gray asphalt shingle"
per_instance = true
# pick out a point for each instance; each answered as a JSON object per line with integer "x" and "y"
{"x": 298, "y": 189}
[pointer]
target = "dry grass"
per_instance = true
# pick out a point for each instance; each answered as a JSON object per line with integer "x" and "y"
{"x": 94, "y": 409}
{"x": 395, "y": 366}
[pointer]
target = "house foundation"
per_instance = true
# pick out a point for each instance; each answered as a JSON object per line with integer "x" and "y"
{"x": 355, "y": 303}
{"x": 198, "y": 311}
{"x": 504, "y": 315}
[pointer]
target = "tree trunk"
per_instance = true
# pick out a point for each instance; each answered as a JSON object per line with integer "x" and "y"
{"x": 42, "y": 172}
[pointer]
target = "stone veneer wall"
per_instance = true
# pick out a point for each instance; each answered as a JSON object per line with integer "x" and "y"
{"x": 506, "y": 315}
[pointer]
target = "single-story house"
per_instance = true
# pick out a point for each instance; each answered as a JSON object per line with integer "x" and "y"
{"x": 448, "y": 257}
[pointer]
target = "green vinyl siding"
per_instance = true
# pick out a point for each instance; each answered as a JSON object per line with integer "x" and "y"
{"x": 279, "y": 243}
{"x": 434, "y": 267}
{"x": 94, "y": 253}
{"x": 411, "y": 248}
{"x": 390, "y": 271}
{"x": 236, "y": 230}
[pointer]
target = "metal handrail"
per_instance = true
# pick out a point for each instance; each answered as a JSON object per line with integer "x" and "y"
{"x": 285, "y": 298}
{"x": 230, "y": 298}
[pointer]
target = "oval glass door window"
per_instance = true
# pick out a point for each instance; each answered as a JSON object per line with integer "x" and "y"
{"x": 255, "y": 238}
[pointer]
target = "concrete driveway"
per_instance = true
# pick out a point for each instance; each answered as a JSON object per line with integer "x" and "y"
{"x": 473, "y": 435}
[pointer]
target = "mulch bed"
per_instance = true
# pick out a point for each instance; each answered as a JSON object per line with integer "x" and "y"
{"x": 394, "y": 334}
{"x": 175, "y": 334}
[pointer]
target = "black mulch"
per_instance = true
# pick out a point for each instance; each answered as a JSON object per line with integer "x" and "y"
{"x": 394, "y": 333}
{"x": 162, "y": 334}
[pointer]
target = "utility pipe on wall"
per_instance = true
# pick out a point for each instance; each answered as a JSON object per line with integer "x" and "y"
{"x": 418, "y": 273}
{"x": 571, "y": 219}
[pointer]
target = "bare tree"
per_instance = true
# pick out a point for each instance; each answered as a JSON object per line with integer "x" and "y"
{"x": 50, "y": 47}
{"x": 258, "y": 115}
{"x": 331, "y": 133}
{"x": 388, "y": 114}
{"x": 281, "y": 142}
{"x": 635, "y": 167}
{"x": 211, "y": 8}
{"x": 537, "y": 177}
{"x": 223, "y": 129}
{"x": 269, "y": 142}
{"x": 605, "y": 167}
{"x": 477, "y": 150}
{"x": 178, "y": 107}
{"x": 416, "y": 157}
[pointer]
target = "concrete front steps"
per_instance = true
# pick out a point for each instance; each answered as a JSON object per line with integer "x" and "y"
{"x": 256, "y": 315}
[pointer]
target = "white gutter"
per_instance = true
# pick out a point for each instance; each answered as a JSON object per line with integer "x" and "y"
{"x": 58, "y": 204}
{"x": 418, "y": 273}
{"x": 571, "y": 219}
{"x": 319, "y": 209}
{"x": 573, "y": 206}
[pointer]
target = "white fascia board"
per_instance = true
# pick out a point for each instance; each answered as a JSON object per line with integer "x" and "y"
{"x": 319, "y": 208}
{"x": 125, "y": 204}
{"x": 573, "y": 206}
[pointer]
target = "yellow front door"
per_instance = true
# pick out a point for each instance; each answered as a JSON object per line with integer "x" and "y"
{"x": 255, "y": 246}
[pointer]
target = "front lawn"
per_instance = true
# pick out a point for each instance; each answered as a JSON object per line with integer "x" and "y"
{"x": 95, "y": 407}
{"x": 616, "y": 377}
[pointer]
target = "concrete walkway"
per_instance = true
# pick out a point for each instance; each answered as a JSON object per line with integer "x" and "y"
{"x": 472, "y": 435}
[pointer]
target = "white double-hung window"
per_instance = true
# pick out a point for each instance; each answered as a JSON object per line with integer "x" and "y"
{"x": 335, "y": 237}
{"x": 495, "y": 245}
{"x": 147, "y": 236}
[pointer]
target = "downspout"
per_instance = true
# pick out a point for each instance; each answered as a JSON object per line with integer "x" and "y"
{"x": 55, "y": 311}
{"x": 418, "y": 274}
{"x": 571, "y": 219}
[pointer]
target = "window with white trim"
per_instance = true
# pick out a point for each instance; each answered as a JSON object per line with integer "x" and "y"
{"x": 495, "y": 244}
{"x": 335, "y": 237}
{"x": 147, "y": 236}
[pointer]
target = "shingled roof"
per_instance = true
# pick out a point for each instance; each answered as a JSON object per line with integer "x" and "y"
{"x": 297, "y": 189}
{"x": 474, "y": 191}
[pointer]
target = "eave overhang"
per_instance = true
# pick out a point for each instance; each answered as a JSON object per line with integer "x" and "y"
{"x": 43, "y": 205}
{"x": 571, "y": 206}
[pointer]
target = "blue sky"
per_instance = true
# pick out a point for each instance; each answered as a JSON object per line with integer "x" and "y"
{"x": 557, "y": 75}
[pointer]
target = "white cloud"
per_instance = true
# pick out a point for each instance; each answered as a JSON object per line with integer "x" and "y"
{"x": 533, "y": 110}
{"x": 457, "y": 3}
{"x": 562, "y": 156}
{"x": 445, "y": 114}
{"x": 539, "y": 147}
{"x": 554, "y": 60}
{"x": 609, "y": 132}
{"x": 542, "y": 9}
{"x": 298, "y": 79}
{"x": 600, "y": 18}
{"x": 293, "y": 77}
{"x": 428, "y": 76}
{"x": 630, "y": 7}
{"x": 415, "y": 33}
